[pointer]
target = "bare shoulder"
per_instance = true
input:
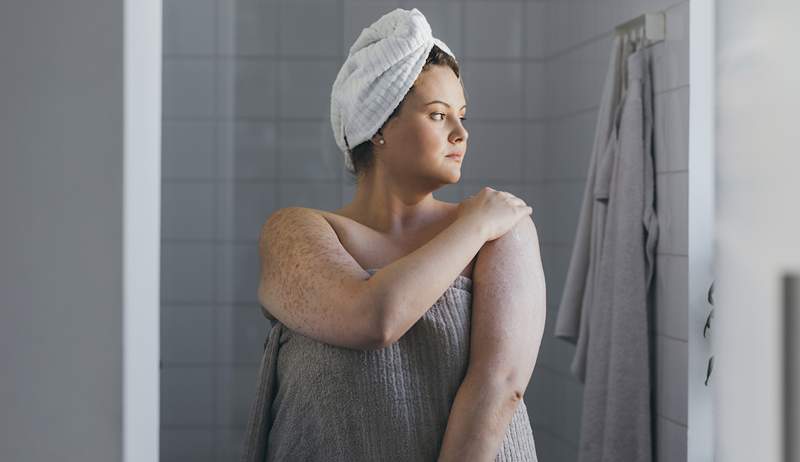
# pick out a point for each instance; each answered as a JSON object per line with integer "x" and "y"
{"x": 515, "y": 252}
{"x": 311, "y": 284}
{"x": 303, "y": 230}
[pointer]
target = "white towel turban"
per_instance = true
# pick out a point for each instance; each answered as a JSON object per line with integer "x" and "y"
{"x": 382, "y": 65}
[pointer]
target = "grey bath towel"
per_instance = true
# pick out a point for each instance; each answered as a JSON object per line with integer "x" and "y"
{"x": 318, "y": 402}
{"x": 604, "y": 307}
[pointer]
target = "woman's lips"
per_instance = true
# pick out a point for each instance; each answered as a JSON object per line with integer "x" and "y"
{"x": 455, "y": 156}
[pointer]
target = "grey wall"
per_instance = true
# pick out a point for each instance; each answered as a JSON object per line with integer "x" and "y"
{"x": 570, "y": 51}
{"x": 61, "y": 202}
{"x": 246, "y": 131}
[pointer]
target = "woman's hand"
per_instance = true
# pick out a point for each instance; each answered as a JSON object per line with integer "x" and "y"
{"x": 494, "y": 212}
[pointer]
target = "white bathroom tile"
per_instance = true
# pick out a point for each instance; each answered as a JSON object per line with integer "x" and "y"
{"x": 533, "y": 151}
{"x": 517, "y": 188}
{"x": 493, "y": 29}
{"x": 570, "y": 406}
{"x": 472, "y": 187}
{"x": 670, "y": 441}
{"x": 570, "y": 23}
{"x": 555, "y": 259}
{"x": 247, "y": 87}
{"x": 557, "y": 28}
{"x": 569, "y": 145}
{"x": 308, "y": 151}
{"x": 187, "y": 396}
{"x": 583, "y": 20}
{"x": 494, "y": 152}
{"x": 672, "y": 210}
{"x": 188, "y": 87}
{"x": 188, "y": 27}
{"x": 671, "y": 296}
{"x": 540, "y": 397}
{"x": 360, "y": 14}
{"x": 566, "y": 79}
{"x": 187, "y": 210}
{"x": 444, "y": 16}
{"x": 187, "y": 272}
{"x": 305, "y": 88}
{"x": 320, "y": 194}
{"x": 348, "y": 193}
{"x": 535, "y": 89}
{"x": 561, "y": 83}
{"x": 241, "y": 333}
{"x": 187, "y": 333}
{"x": 553, "y": 448}
{"x": 247, "y": 27}
{"x": 555, "y": 352}
{"x": 671, "y": 130}
{"x": 238, "y": 270}
{"x": 536, "y": 197}
{"x": 450, "y": 193}
{"x": 672, "y": 389}
{"x": 230, "y": 443}
{"x": 187, "y": 149}
{"x": 608, "y": 16}
{"x": 660, "y": 5}
{"x": 535, "y": 17}
{"x": 320, "y": 31}
{"x": 236, "y": 391}
{"x": 564, "y": 199}
{"x": 248, "y": 150}
{"x": 596, "y": 68}
{"x": 182, "y": 444}
{"x": 671, "y": 57}
{"x": 243, "y": 207}
{"x": 614, "y": 12}
{"x": 494, "y": 89}
{"x": 553, "y": 82}
{"x": 591, "y": 70}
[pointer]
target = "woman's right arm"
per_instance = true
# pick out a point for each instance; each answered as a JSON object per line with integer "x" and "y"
{"x": 312, "y": 285}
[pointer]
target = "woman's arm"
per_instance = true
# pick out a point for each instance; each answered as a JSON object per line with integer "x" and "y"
{"x": 418, "y": 279}
{"x": 508, "y": 317}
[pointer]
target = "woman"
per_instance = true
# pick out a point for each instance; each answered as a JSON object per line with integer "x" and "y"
{"x": 400, "y": 361}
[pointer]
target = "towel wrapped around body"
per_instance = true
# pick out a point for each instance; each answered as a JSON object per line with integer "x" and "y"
{"x": 318, "y": 402}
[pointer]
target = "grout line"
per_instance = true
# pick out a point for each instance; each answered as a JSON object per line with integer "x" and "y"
{"x": 278, "y": 112}
{"x": 524, "y": 97}
{"x": 598, "y": 37}
{"x": 215, "y": 249}
{"x": 343, "y": 174}
{"x": 210, "y": 364}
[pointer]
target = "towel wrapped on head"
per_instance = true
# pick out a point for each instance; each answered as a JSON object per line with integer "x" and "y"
{"x": 381, "y": 66}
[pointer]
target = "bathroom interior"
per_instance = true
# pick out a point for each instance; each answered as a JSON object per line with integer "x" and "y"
{"x": 169, "y": 224}
{"x": 246, "y": 131}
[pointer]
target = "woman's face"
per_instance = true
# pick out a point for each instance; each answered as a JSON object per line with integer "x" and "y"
{"x": 424, "y": 132}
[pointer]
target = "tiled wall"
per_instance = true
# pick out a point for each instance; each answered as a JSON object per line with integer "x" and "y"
{"x": 571, "y": 49}
{"x": 246, "y": 131}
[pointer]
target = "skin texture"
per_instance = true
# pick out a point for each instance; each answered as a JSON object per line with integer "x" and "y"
{"x": 508, "y": 318}
{"x": 395, "y": 199}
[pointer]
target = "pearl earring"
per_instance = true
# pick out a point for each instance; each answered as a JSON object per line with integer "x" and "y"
{"x": 380, "y": 141}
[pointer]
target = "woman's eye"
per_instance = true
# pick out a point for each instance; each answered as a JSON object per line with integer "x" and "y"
{"x": 443, "y": 114}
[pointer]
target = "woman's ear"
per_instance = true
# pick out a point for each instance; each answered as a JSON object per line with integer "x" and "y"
{"x": 378, "y": 138}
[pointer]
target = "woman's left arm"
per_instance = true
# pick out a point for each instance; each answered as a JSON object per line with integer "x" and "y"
{"x": 508, "y": 317}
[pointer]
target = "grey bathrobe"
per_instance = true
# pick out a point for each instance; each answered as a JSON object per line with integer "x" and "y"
{"x": 604, "y": 307}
